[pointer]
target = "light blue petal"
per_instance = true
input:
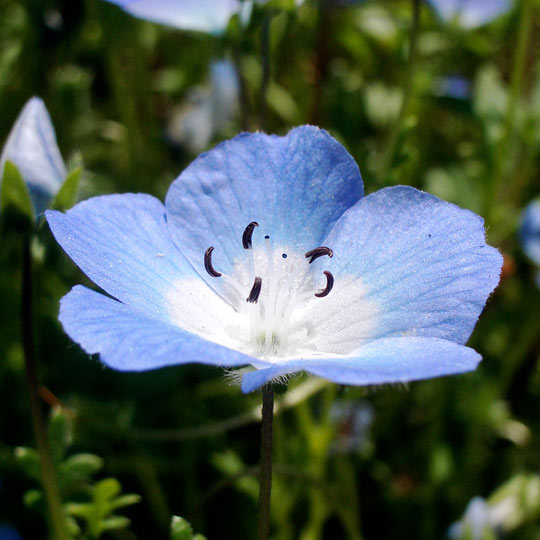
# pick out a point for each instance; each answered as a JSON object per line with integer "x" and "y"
{"x": 121, "y": 242}
{"x": 32, "y": 146}
{"x": 389, "y": 360}
{"x": 471, "y": 13}
{"x": 257, "y": 378}
{"x": 295, "y": 187}
{"x": 129, "y": 340}
{"x": 530, "y": 231}
{"x": 421, "y": 264}
{"x": 202, "y": 15}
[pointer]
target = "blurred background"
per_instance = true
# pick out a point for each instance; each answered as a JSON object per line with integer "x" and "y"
{"x": 443, "y": 96}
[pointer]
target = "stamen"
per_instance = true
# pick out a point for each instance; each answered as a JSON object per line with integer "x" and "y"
{"x": 208, "y": 263}
{"x": 255, "y": 292}
{"x": 248, "y": 233}
{"x": 319, "y": 252}
{"x": 329, "y": 284}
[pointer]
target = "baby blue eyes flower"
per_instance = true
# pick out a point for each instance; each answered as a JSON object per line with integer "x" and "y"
{"x": 530, "y": 234}
{"x": 31, "y": 146}
{"x": 471, "y": 13}
{"x": 208, "y": 111}
{"x": 266, "y": 254}
{"x": 477, "y": 523}
{"x": 202, "y": 15}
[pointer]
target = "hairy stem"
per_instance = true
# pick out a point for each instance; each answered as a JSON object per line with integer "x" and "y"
{"x": 48, "y": 474}
{"x": 265, "y": 475}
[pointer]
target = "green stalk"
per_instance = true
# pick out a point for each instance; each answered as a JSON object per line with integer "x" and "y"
{"x": 516, "y": 91}
{"x": 393, "y": 139}
{"x": 265, "y": 475}
{"x": 265, "y": 56}
{"x": 48, "y": 473}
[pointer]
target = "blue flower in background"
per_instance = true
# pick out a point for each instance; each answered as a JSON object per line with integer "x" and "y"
{"x": 203, "y": 15}
{"x": 477, "y": 522}
{"x": 454, "y": 87}
{"x": 7, "y": 532}
{"x": 31, "y": 146}
{"x": 530, "y": 233}
{"x": 266, "y": 254}
{"x": 471, "y": 13}
{"x": 208, "y": 111}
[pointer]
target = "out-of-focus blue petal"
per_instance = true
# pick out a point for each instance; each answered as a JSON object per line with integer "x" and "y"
{"x": 203, "y": 15}
{"x": 453, "y": 87}
{"x": 121, "y": 242}
{"x": 225, "y": 90}
{"x": 7, "y": 532}
{"x": 206, "y": 111}
{"x": 32, "y": 146}
{"x": 388, "y": 360}
{"x": 471, "y": 13}
{"x": 530, "y": 231}
{"x": 295, "y": 187}
{"x": 130, "y": 339}
{"x": 423, "y": 264}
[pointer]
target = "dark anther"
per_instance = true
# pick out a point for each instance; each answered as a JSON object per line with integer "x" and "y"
{"x": 253, "y": 297}
{"x": 319, "y": 252}
{"x": 248, "y": 233}
{"x": 208, "y": 263}
{"x": 329, "y": 284}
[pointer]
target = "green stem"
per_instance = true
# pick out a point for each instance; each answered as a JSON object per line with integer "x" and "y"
{"x": 393, "y": 139}
{"x": 516, "y": 89}
{"x": 265, "y": 475}
{"x": 48, "y": 473}
{"x": 322, "y": 58}
{"x": 265, "y": 57}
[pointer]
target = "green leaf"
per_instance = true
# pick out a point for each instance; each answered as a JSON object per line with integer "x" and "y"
{"x": 79, "y": 468}
{"x": 72, "y": 526}
{"x": 60, "y": 434}
{"x": 67, "y": 195}
{"x": 114, "y": 523}
{"x": 181, "y": 529}
{"x": 125, "y": 500}
{"x": 106, "y": 489}
{"x": 33, "y": 498}
{"x": 28, "y": 459}
{"x": 15, "y": 200}
{"x": 81, "y": 510}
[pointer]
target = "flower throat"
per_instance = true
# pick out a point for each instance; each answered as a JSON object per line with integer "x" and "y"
{"x": 270, "y": 303}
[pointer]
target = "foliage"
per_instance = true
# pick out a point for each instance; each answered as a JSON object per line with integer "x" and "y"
{"x": 89, "y": 504}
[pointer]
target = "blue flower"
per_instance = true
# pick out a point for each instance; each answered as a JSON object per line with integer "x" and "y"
{"x": 453, "y": 87}
{"x": 267, "y": 254}
{"x": 530, "y": 233}
{"x": 471, "y": 13}
{"x": 7, "y": 532}
{"x": 201, "y": 15}
{"x": 478, "y": 522}
{"x": 31, "y": 146}
{"x": 209, "y": 111}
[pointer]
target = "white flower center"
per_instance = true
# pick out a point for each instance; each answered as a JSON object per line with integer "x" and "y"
{"x": 292, "y": 310}
{"x": 270, "y": 287}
